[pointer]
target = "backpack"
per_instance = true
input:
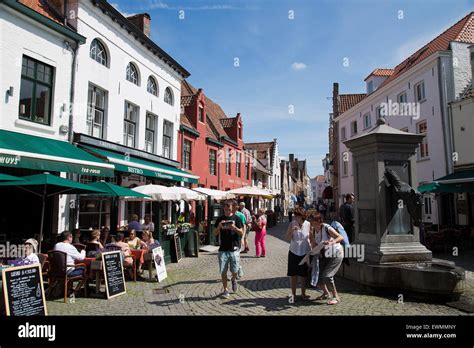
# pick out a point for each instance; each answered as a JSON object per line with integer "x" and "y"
{"x": 338, "y": 227}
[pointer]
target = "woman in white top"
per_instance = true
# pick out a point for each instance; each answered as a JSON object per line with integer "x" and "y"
{"x": 31, "y": 247}
{"x": 330, "y": 256}
{"x": 298, "y": 235}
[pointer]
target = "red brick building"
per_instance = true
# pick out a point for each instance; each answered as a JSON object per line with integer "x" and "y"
{"x": 210, "y": 144}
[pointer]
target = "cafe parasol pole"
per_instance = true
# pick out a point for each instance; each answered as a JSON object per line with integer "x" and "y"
{"x": 42, "y": 217}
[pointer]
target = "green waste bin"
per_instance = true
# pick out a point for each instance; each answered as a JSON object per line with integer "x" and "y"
{"x": 192, "y": 243}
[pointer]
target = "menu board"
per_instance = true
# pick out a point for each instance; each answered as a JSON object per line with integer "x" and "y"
{"x": 159, "y": 259}
{"x": 23, "y": 290}
{"x": 113, "y": 273}
{"x": 177, "y": 247}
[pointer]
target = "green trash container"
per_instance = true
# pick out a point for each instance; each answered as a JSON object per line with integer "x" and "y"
{"x": 192, "y": 243}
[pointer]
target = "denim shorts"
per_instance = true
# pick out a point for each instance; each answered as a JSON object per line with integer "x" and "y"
{"x": 227, "y": 258}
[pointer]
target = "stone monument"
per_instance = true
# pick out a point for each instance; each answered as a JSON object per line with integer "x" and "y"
{"x": 388, "y": 215}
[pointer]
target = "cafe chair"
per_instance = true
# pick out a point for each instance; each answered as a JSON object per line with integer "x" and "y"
{"x": 58, "y": 272}
{"x": 44, "y": 265}
{"x": 132, "y": 269}
{"x": 79, "y": 247}
{"x": 92, "y": 247}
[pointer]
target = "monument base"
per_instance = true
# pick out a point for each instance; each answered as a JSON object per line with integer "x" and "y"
{"x": 434, "y": 280}
{"x": 397, "y": 252}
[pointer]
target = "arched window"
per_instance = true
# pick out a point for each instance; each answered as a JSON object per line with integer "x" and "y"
{"x": 168, "y": 96}
{"x": 152, "y": 86}
{"x": 98, "y": 52}
{"x": 132, "y": 73}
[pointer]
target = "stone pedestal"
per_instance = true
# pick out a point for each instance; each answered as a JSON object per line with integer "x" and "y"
{"x": 383, "y": 224}
{"x": 394, "y": 258}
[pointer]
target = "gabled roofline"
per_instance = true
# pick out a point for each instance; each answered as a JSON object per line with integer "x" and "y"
{"x": 139, "y": 35}
{"x": 38, "y": 17}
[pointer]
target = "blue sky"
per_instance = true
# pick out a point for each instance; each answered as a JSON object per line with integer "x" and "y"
{"x": 290, "y": 63}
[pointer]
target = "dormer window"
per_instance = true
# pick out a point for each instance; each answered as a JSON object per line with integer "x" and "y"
{"x": 201, "y": 114}
{"x": 370, "y": 87}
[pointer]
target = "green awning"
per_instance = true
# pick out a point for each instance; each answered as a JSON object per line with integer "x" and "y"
{"x": 18, "y": 150}
{"x": 438, "y": 187}
{"x": 143, "y": 167}
{"x": 463, "y": 176}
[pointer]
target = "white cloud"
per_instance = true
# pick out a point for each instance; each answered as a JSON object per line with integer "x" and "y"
{"x": 298, "y": 66}
{"x": 125, "y": 14}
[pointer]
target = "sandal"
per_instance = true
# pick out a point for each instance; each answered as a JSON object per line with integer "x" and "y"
{"x": 305, "y": 297}
{"x": 323, "y": 297}
{"x": 333, "y": 301}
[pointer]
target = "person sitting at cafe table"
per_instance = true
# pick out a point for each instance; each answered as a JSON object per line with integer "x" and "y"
{"x": 76, "y": 239}
{"x": 72, "y": 254}
{"x": 31, "y": 248}
{"x": 95, "y": 239}
{"x": 104, "y": 235}
{"x": 127, "y": 256}
{"x": 148, "y": 225}
{"x": 134, "y": 224}
{"x": 148, "y": 242}
{"x": 133, "y": 241}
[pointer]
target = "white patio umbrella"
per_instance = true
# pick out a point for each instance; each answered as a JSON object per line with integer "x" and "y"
{"x": 214, "y": 194}
{"x": 159, "y": 193}
{"x": 252, "y": 192}
{"x": 189, "y": 195}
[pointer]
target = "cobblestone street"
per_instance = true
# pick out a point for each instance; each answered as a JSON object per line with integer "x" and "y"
{"x": 193, "y": 288}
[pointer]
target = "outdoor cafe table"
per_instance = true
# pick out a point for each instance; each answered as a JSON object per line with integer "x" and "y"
{"x": 138, "y": 254}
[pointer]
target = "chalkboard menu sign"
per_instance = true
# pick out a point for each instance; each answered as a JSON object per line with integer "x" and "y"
{"x": 113, "y": 273}
{"x": 177, "y": 247}
{"x": 23, "y": 290}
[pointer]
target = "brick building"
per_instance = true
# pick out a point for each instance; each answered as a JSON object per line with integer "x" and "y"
{"x": 210, "y": 144}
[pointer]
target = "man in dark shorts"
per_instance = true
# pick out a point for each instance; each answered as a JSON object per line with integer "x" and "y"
{"x": 229, "y": 228}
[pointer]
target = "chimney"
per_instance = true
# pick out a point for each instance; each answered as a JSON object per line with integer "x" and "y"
{"x": 142, "y": 22}
{"x": 335, "y": 100}
{"x": 291, "y": 157}
{"x": 60, "y": 6}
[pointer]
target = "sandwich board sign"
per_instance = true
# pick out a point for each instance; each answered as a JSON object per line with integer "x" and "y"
{"x": 113, "y": 273}
{"x": 159, "y": 259}
{"x": 23, "y": 290}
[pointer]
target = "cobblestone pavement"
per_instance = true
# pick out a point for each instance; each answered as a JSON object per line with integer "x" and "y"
{"x": 193, "y": 288}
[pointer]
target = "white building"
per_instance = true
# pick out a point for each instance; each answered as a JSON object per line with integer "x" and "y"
{"x": 426, "y": 82}
{"x": 36, "y": 59}
{"x": 100, "y": 82}
{"x": 318, "y": 185}
{"x": 127, "y": 94}
{"x": 462, "y": 112}
{"x": 268, "y": 155}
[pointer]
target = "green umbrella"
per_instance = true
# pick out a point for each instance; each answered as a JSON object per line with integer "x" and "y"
{"x": 47, "y": 185}
{"x": 5, "y": 177}
{"x": 114, "y": 191}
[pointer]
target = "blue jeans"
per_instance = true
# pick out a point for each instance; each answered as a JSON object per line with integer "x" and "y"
{"x": 76, "y": 272}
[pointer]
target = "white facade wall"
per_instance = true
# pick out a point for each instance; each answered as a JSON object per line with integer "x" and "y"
{"x": 122, "y": 49}
{"x": 461, "y": 66}
{"x": 463, "y": 128}
{"x": 19, "y": 36}
{"x": 428, "y": 169}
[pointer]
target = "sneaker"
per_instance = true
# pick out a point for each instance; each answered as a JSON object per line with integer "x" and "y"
{"x": 234, "y": 286}
{"x": 226, "y": 294}
{"x": 263, "y": 255}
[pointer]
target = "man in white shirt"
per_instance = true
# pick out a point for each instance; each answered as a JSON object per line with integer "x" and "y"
{"x": 148, "y": 225}
{"x": 72, "y": 254}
